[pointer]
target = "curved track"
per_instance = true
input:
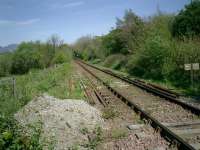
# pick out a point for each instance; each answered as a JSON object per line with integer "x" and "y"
{"x": 176, "y": 123}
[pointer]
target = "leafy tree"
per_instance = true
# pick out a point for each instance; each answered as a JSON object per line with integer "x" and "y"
{"x": 113, "y": 43}
{"x": 132, "y": 30}
{"x": 187, "y": 22}
{"x": 88, "y": 47}
{"x": 24, "y": 58}
{"x": 149, "y": 62}
{"x": 39, "y": 55}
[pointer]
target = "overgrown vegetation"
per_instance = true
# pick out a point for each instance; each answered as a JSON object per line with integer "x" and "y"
{"x": 30, "y": 55}
{"x": 95, "y": 138}
{"x": 155, "y": 48}
{"x": 24, "y": 65}
{"x": 13, "y": 137}
{"x": 55, "y": 80}
{"x": 110, "y": 113}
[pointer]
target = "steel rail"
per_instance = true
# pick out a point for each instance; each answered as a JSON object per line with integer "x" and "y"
{"x": 164, "y": 131}
{"x": 150, "y": 89}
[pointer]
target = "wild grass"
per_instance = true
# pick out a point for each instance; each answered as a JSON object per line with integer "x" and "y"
{"x": 96, "y": 138}
{"x": 56, "y": 81}
{"x": 110, "y": 113}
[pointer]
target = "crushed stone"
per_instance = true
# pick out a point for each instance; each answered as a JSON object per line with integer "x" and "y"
{"x": 61, "y": 120}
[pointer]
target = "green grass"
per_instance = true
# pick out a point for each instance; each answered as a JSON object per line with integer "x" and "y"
{"x": 56, "y": 81}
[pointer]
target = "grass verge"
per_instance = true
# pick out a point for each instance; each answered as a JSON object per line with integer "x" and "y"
{"x": 56, "y": 81}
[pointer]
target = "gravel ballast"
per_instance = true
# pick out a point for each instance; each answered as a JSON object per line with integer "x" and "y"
{"x": 61, "y": 120}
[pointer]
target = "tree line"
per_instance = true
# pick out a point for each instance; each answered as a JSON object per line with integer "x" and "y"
{"x": 34, "y": 55}
{"x": 155, "y": 48}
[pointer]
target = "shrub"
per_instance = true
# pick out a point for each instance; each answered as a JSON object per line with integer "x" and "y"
{"x": 12, "y": 138}
{"x": 148, "y": 62}
{"x": 61, "y": 57}
{"x": 24, "y": 59}
{"x": 182, "y": 52}
{"x": 116, "y": 61}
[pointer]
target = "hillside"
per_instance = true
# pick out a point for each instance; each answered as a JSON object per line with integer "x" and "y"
{"x": 8, "y": 48}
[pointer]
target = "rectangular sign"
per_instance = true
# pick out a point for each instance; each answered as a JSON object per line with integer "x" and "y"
{"x": 188, "y": 66}
{"x": 195, "y": 66}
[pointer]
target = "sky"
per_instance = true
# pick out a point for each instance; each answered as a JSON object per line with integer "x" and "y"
{"x": 25, "y": 20}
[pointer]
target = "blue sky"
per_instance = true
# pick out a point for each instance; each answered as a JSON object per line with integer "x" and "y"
{"x": 25, "y": 20}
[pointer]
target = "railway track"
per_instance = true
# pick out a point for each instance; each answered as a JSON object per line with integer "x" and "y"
{"x": 140, "y": 135}
{"x": 162, "y": 92}
{"x": 184, "y": 133}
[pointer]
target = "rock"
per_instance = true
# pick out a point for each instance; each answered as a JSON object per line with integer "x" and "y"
{"x": 135, "y": 127}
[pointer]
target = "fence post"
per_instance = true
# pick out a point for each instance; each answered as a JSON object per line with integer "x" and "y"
{"x": 13, "y": 87}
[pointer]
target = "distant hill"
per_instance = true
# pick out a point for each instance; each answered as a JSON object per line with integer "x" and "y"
{"x": 8, "y": 48}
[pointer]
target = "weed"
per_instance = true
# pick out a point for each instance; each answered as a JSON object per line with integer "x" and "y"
{"x": 84, "y": 131}
{"x": 74, "y": 147}
{"x": 110, "y": 113}
{"x": 11, "y": 136}
{"x": 95, "y": 138}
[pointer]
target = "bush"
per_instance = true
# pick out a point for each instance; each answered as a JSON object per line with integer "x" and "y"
{"x": 113, "y": 43}
{"x": 24, "y": 59}
{"x": 12, "y": 138}
{"x": 34, "y": 55}
{"x": 116, "y": 61}
{"x": 62, "y": 57}
{"x": 148, "y": 62}
{"x": 182, "y": 52}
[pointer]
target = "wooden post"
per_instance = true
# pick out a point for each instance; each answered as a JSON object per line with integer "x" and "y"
{"x": 13, "y": 87}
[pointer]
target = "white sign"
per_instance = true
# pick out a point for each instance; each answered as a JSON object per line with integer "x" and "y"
{"x": 195, "y": 66}
{"x": 188, "y": 67}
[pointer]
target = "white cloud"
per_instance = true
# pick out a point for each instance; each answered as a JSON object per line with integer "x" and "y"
{"x": 65, "y": 5}
{"x": 28, "y": 22}
{"x": 21, "y": 23}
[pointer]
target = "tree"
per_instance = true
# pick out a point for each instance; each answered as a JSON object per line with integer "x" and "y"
{"x": 132, "y": 30}
{"x": 187, "y": 22}
{"x": 88, "y": 47}
{"x": 24, "y": 58}
{"x": 55, "y": 42}
{"x": 113, "y": 43}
